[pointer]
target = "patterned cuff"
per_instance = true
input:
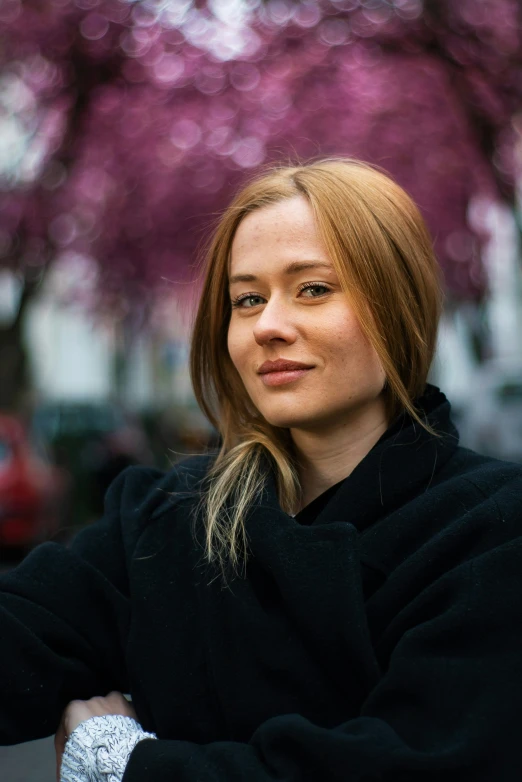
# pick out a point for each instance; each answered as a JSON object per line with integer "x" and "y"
{"x": 99, "y": 749}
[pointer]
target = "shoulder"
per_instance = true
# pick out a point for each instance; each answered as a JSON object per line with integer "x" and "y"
{"x": 137, "y": 496}
{"x": 146, "y": 492}
{"x": 492, "y": 478}
{"x": 483, "y": 496}
{"x": 472, "y": 505}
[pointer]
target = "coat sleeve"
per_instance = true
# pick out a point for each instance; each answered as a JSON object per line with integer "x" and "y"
{"x": 447, "y": 709}
{"x": 64, "y": 613}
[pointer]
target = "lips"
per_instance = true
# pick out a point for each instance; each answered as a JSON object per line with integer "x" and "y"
{"x": 281, "y": 365}
{"x": 285, "y": 378}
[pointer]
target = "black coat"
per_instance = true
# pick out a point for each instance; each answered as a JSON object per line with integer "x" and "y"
{"x": 381, "y": 642}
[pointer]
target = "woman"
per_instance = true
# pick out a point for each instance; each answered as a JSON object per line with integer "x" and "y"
{"x": 336, "y": 594}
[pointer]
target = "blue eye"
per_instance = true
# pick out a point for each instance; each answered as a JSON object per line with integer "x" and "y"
{"x": 250, "y": 300}
{"x": 315, "y": 287}
{"x": 246, "y": 297}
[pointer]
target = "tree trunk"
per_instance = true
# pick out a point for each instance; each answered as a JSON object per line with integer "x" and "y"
{"x": 15, "y": 377}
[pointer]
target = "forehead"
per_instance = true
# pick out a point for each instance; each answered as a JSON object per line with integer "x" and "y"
{"x": 276, "y": 234}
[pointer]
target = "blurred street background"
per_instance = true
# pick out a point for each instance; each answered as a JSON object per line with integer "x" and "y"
{"x": 125, "y": 128}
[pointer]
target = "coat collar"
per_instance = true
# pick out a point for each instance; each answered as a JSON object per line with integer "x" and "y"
{"x": 402, "y": 464}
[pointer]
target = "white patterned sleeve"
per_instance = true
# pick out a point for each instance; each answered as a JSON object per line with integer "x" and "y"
{"x": 99, "y": 749}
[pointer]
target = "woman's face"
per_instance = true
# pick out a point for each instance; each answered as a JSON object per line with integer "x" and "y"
{"x": 288, "y": 305}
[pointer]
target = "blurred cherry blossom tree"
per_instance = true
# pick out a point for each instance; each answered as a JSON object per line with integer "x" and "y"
{"x": 126, "y": 126}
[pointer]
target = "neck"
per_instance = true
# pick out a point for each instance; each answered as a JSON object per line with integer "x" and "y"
{"x": 325, "y": 458}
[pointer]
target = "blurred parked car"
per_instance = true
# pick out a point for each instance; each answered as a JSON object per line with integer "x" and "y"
{"x": 33, "y": 493}
{"x": 94, "y": 441}
{"x": 492, "y": 419}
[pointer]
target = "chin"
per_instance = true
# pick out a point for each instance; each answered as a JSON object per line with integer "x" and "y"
{"x": 287, "y": 420}
{"x": 285, "y": 423}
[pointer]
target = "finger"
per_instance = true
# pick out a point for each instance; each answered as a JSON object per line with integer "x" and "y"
{"x": 116, "y": 698}
{"x": 127, "y": 708}
{"x": 117, "y": 703}
{"x": 78, "y": 711}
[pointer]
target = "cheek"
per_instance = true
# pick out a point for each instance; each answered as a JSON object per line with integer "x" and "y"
{"x": 345, "y": 340}
{"x": 351, "y": 349}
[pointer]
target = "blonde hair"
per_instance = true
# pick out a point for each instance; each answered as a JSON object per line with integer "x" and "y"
{"x": 382, "y": 252}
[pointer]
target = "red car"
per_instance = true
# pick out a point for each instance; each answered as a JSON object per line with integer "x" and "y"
{"x": 32, "y": 492}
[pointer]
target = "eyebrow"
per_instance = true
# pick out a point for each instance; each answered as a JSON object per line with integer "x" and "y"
{"x": 293, "y": 268}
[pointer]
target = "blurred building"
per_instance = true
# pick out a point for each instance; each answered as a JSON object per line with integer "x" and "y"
{"x": 498, "y": 323}
{"x": 77, "y": 356}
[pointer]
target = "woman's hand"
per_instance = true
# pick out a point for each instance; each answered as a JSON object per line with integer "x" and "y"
{"x": 79, "y": 711}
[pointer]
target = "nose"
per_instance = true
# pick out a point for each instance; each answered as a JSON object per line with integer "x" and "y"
{"x": 274, "y": 323}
